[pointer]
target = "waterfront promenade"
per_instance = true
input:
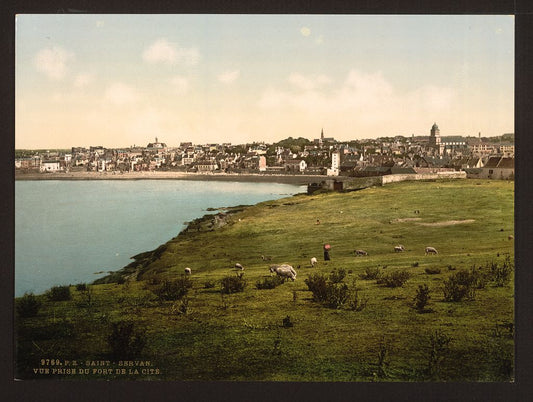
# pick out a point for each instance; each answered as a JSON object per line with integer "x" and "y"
{"x": 271, "y": 178}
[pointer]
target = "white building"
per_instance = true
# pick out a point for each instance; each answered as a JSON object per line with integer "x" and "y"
{"x": 335, "y": 164}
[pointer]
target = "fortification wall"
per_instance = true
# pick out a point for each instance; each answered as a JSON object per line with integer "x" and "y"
{"x": 392, "y": 178}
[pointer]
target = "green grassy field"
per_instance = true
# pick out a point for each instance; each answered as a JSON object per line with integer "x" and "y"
{"x": 282, "y": 334}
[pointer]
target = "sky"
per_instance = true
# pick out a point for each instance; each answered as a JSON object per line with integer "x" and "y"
{"x": 123, "y": 80}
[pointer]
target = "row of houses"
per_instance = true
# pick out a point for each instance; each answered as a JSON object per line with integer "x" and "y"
{"x": 324, "y": 156}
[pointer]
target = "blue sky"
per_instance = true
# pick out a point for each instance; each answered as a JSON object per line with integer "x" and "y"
{"x": 120, "y": 80}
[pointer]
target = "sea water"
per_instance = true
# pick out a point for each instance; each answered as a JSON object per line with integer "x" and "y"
{"x": 69, "y": 232}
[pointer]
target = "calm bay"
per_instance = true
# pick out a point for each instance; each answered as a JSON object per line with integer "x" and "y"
{"x": 69, "y": 232}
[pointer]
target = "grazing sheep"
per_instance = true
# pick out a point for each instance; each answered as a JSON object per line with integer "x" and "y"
{"x": 283, "y": 270}
{"x": 239, "y": 266}
{"x": 431, "y": 250}
{"x": 360, "y": 252}
{"x": 510, "y": 237}
{"x": 399, "y": 248}
{"x": 267, "y": 258}
{"x": 313, "y": 261}
{"x": 187, "y": 271}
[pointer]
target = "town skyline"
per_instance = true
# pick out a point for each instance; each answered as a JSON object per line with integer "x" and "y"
{"x": 120, "y": 80}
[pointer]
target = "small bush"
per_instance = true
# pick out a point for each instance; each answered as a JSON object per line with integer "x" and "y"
{"x": 394, "y": 279}
{"x": 334, "y": 294}
{"x": 233, "y": 284}
{"x": 371, "y": 274}
{"x": 317, "y": 284}
{"x": 28, "y": 305}
{"x": 415, "y": 264}
{"x": 432, "y": 271}
{"x": 355, "y": 303}
{"x": 125, "y": 341}
{"x": 437, "y": 351}
{"x": 479, "y": 278}
{"x": 459, "y": 286}
{"x": 180, "y": 307}
{"x": 422, "y": 297}
{"x": 59, "y": 293}
{"x": 501, "y": 275}
{"x": 174, "y": 290}
{"x": 81, "y": 286}
{"x": 287, "y": 323}
{"x": 269, "y": 283}
{"x": 338, "y": 275}
{"x": 337, "y": 295}
{"x": 209, "y": 284}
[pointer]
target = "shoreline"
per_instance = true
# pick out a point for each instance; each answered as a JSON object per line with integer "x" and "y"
{"x": 238, "y": 177}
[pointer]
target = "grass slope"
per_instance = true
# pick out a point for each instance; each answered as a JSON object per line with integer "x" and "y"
{"x": 249, "y": 336}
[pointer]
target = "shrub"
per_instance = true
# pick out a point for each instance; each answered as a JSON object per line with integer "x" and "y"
{"x": 354, "y": 303}
{"x": 415, "y": 264}
{"x": 233, "y": 284}
{"x": 501, "y": 275}
{"x": 371, "y": 274}
{"x": 438, "y": 348}
{"x": 269, "y": 283}
{"x": 180, "y": 307}
{"x": 337, "y": 295}
{"x": 287, "y": 323}
{"x": 422, "y": 297}
{"x": 479, "y": 278}
{"x": 28, "y": 305}
{"x": 432, "y": 271}
{"x": 59, "y": 293}
{"x": 334, "y": 294}
{"x": 338, "y": 275}
{"x": 317, "y": 284}
{"x": 209, "y": 284}
{"x": 459, "y": 286}
{"x": 394, "y": 279}
{"x": 125, "y": 341}
{"x": 174, "y": 290}
{"x": 81, "y": 286}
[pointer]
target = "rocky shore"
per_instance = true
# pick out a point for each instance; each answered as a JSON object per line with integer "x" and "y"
{"x": 271, "y": 178}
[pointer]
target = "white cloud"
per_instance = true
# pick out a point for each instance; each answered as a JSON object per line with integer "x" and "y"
{"x": 305, "y": 31}
{"x": 362, "y": 103}
{"x": 181, "y": 84}
{"x": 121, "y": 94}
{"x": 82, "y": 80}
{"x": 53, "y": 62}
{"x": 310, "y": 82}
{"x": 229, "y": 76}
{"x": 163, "y": 51}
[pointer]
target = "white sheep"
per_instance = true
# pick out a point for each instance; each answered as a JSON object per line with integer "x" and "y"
{"x": 313, "y": 261}
{"x": 360, "y": 252}
{"x": 239, "y": 266}
{"x": 188, "y": 271}
{"x": 266, "y": 258}
{"x": 399, "y": 248}
{"x": 431, "y": 250}
{"x": 284, "y": 271}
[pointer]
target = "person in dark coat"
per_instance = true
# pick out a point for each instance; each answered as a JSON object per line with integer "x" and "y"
{"x": 326, "y": 252}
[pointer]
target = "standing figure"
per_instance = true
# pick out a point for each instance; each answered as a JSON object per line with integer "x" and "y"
{"x": 327, "y": 247}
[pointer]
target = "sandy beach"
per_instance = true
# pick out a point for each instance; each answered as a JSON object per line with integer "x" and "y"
{"x": 272, "y": 178}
